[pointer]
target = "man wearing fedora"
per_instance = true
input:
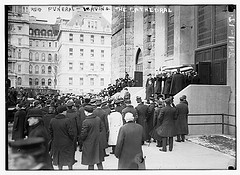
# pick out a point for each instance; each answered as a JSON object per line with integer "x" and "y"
{"x": 149, "y": 86}
{"x": 37, "y": 129}
{"x": 92, "y": 151}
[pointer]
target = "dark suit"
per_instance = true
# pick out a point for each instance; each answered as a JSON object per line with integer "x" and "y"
{"x": 19, "y": 125}
{"x": 178, "y": 83}
{"x": 149, "y": 87}
{"x": 142, "y": 110}
{"x": 150, "y": 115}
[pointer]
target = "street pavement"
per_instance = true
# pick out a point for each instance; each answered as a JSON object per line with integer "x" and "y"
{"x": 185, "y": 156}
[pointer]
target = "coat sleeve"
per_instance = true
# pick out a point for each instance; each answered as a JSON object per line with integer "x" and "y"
{"x": 120, "y": 141}
{"x": 70, "y": 129}
{"x": 50, "y": 129}
{"x": 85, "y": 130}
{"x": 161, "y": 116}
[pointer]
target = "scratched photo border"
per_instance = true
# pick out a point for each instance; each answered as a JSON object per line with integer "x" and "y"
{"x": 62, "y": 8}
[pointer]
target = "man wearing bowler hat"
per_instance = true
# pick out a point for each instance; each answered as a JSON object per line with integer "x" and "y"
{"x": 92, "y": 151}
{"x": 28, "y": 154}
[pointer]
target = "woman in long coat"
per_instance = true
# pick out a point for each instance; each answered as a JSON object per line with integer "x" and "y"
{"x": 115, "y": 122}
{"x": 182, "y": 120}
{"x": 129, "y": 143}
{"x": 167, "y": 129}
{"x": 62, "y": 136}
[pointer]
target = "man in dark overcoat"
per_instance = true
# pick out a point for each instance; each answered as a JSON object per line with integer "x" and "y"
{"x": 178, "y": 83}
{"x": 19, "y": 122}
{"x": 92, "y": 152}
{"x": 182, "y": 120}
{"x": 129, "y": 143}
{"x": 62, "y": 136}
{"x": 158, "y": 84}
{"x": 167, "y": 129}
{"x": 142, "y": 110}
{"x": 37, "y": 129}
{"x": 150, "y": 115}
{"x": 105, "y": 130}
{"x": 149, "y": 86}
{"x": 167, "y": 85}
{"x": 48, "y": 117}
{"x": 129, "y": 108}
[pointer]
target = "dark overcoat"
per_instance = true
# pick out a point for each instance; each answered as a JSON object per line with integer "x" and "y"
{"x": 46, "y": 121}
{"x": 19, "y": 125}
{"x": 151, "y": 109}
{"x": 156, "y": 123}
{"x": 130, "y": 109}
{"x": 62, "y": 136}
{"x": 149, "y": 87}
{"x": 182, "y": 119}
{"x": 106, "y": 109}
{"x": 158, "y": 85}
{"x": 167, "y": 86}
{"x": 119, "y": 108}
{"x": 38, "y": 130}
{"x": 142, "y": 112}
{"x": 167, "y": 117}
{"x": 92, "y": 152}
{"x": 129, "y": 144}
{"x": 73, "y": 115}
{"x": 178, "y": 83}
{"x": 104, "y": 133}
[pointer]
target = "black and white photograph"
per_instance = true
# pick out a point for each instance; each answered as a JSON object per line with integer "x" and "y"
{"x": 120, "y": 87}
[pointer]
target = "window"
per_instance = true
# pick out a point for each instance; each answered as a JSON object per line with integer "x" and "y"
{"x": 43, "y": 32}
{"x": 43, "y": 69}
{"x": 102, "y": 39}
{"x": 102, "y": 67}
{"x": 81, "y": 81}
{"x": 92, "y": 66}
{"x": 19, "y": 41}
{"x": 70, "y": 80}
{"x": 43, "y": 44}
{"x": 102, "y": 82}
{"x": 36, "y": 56}
{"x": 92, "y": 39}
{"x": 43, "y": 56}
{"x": 70, "y": 51}
{"x": 49, "y": 58}
{"x": 49, "y": 69}
{"x": 81, "y": 52}
{"x": 81, "y": 38}
{"x": 102, "y": 53}
{"x": 19, "y": 68}
{"x": 170, "y": 33}
{"x": 55, "y": 58}
{"x": 92, "y": 53}
{"x": 49, "y": 82}
{"x": 36, "y": 81}
{"x": 55, "y": 44}
{"x": 70, "y": 37}
{"x": 95, "y": 24}
{"x": 19, "y": 55}
{"x": 30, "y": 43}
{"x": 36, "y": 69}
{"x": 36, "y": 43}
{"x": 30, "y": 56}
{"x": 49, "y": 44}
{"x": 91, "y": 81}
{"x": 19, "y": 81}
{"x": 49, "y": 33}
{"x": 30, "y": 69}
{"x": 43, "y": 82}
{"x": 9, "y": 53}
{"x": 36, "y": 32}
{"x": 19, "y": 28}
{"x": 30, "y": 82}
{"x": 81, "y": 66}
{"x": 89, "y": 24}
{"x": 92, "y": 24}
{"x": 30, "y": 32}
{"x": 70, "y": 66}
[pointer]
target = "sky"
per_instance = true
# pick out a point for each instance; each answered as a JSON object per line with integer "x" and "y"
{"x": 50, "y": 13}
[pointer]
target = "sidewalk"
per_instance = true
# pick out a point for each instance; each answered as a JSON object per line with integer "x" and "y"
{"x": 185, "y": 155}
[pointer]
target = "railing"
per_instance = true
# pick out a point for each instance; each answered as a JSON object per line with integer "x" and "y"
{"x": 211, "y": 115}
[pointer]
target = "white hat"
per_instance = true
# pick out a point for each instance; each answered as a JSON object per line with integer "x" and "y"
{"x": 129, "y": 117}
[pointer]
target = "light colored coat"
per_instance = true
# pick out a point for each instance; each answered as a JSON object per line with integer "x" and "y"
{"x": 115, "y": 122}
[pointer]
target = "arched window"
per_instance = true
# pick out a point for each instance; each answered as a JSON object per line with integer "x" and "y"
{"x": 49, "y": 33}
{"x": 30, "y": 82}
{"x": 36, "y": 81}
{"x": 30, "y": 69}
{"x": 37, "y": 32}
{"x": 30, "y": 31}
{"x": 43, "y": 32}
{"x": 49, "y": 82}
{"x": 43, "y": 82}
{"x": 55, "y": 57}
{"x": 30, "y": 56}
{"x": 43, "y": 69}
{"x": 36, "y": 56}
{"x": 36, "y": 69}
{"x": 19, "y": 81}
{"x": 43, "y": 56}
{"x": 49, "y": 58}
{"x": 49, "y": 69}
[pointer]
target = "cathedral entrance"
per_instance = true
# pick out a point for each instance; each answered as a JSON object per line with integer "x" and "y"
{"x": 138, "y": 73}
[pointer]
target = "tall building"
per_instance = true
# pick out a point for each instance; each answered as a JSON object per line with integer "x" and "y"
{"x": 84, "y": 53}
{"x": 43, "y": 54}
{"x": 18, "y": 46}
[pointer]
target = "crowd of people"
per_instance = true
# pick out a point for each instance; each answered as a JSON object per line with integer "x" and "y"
{"x": 62, "y": 124}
